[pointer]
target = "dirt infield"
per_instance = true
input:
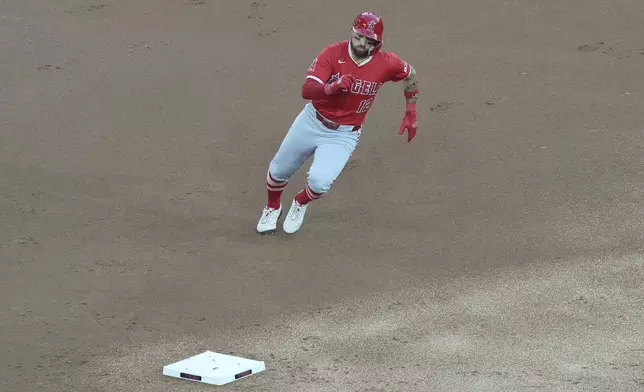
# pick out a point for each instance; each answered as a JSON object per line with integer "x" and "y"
{"x": 500, "y": 251}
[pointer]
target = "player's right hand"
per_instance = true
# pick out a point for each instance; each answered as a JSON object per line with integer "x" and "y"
{"x": 339, "y": 86}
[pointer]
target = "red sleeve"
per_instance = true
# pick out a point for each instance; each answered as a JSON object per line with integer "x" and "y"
{"x": 313, "y": 90}
{"x": 398, "y": 68}
{"x": 322, "y": 67}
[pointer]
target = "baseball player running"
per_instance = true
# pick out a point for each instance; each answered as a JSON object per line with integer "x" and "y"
{"x": 341, "y": 85}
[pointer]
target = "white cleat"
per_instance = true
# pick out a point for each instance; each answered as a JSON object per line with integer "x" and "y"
{"x": 295, "y": 217}
{"x": 268, "y": 221}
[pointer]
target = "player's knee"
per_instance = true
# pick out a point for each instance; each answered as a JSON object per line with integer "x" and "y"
{"x": 320, "y": 183}
{"x": 279, "y": 172}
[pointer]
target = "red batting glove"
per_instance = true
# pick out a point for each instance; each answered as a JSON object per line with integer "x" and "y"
{"x": 339, "y": 86}
{"x": 409, "y": 122}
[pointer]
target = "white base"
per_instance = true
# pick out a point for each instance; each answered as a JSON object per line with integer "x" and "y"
{"x": 213, "y": 368}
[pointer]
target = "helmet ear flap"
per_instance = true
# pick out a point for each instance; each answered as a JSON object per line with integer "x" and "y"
{"x": 375, "y": 49}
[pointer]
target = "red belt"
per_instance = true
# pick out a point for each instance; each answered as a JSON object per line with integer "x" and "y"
{"x": 331, "y": 124}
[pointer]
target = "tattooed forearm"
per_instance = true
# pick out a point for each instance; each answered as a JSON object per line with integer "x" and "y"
{"x": 411, "y": 84}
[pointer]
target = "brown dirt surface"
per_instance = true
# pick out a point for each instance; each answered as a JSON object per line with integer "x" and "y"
{"x": 500, "y": 251}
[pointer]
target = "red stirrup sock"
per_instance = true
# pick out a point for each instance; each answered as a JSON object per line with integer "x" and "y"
{"x": 275, "y": 189}
{"x": 306, "y": 195}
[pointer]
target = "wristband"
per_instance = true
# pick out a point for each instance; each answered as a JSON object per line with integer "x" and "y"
{"x": 411, "y": 94}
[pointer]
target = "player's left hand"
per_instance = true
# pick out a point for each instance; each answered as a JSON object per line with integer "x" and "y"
{"x": 409, "y": 123}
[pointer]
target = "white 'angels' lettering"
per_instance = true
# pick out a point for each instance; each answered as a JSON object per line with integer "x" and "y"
{"x": 365, "y": 87}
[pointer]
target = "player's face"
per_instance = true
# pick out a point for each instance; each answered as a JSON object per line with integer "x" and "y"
{"x": 360, "y": 45}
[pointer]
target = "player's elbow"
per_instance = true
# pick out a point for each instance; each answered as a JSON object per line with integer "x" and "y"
{"x": 312, "y": 89}
{"x": 412, "y": 75}
{"x": 307, "y": 88}
{"x": 305, "y": 91}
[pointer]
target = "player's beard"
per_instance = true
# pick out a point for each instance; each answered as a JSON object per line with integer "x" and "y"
{"x": 359, "y": 52}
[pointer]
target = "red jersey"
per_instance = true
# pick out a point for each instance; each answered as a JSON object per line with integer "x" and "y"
{"x": 336, "y": 60}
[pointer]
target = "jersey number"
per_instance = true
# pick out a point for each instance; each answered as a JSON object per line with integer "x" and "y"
{"x": 364, "y": 105}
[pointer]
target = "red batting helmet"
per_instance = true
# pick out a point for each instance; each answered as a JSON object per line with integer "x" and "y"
{"x": 369, "y": 24}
